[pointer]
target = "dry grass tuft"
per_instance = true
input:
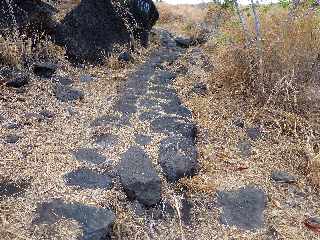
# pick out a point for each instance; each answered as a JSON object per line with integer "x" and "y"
{"x": 314, "y": 174}
{"x": 182, "y": 19}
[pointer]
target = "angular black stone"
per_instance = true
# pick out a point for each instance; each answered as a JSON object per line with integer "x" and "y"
{"x": 65, "y": 81}
{"x": 125, "y": 57}
{"x": 150, "y": 104}
{"x": 239, "y": 123}
{"x": 244, "y": 148}
{"x": 94, "y": 28}
{"x": 161, "y": 211}
{"x": 106, "y": 120}
{"x": 96, "y": 223}
{"x": 254, "y": 133}
{"x": 18, "y": 81}
{"x": 86, "y": 78}
{"x": 46, "y": 114}
{"x": 142, "y": 139}
{"x": 163, "y": 89}
{"x": 184, "y": 42}
{"x": 106, "y": 140}
{"x": 177, "y": 109}
{"x": 86, "y": 178}
{"x": 12, "y": 189}
{"x": 175, "y": 126}
{"x": 178, "y": 158}
{"x": 45, "y": 70}
{"x": 89, "y": 155}
{"x": 67, "y": 94}
{"x": 282, "y": 177}
{"x": 163, "y": 77}
{"x": 243, "y": 208}
{"x": 167, "y": 96}
{"x": 186, "y": 207}
{"x": 125, "y": 106}
{"x": 12, "y": 139}
{"x": 138, "y": 177}
{"x": 200, "y": 88}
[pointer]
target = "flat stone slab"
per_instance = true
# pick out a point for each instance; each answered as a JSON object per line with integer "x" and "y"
{"x": 107, "y": 120}
{"x": 163, "y": 77}
{"x": 125, "y": 107}
{"x": 282, "y": 177}
{"x": 67, "y": 94}
{"x": 86, "y": 178}
{"x": 12, "y": 139}
{"x": 106, "y": 140}
{"x": 178, "y": 158}
{"x": 45, "y": 70}
{"x": 96, "y": 223}
{"x": 18, "y": 81}
{"x": 86, "y": 78}
{"x": 150, "y": 104}
{"x": 64, "y": 81}
{"x": 149, "y": 116}
{"x": 175, "y": 126}
{"x": 243, "y": 208}
{"x": 254, "y": 133}
{"x": 176, "y": 108}
{"x": 245, "y": 148}
{"x": 89, "y": 155}
{"x": 12, "y": 189}
{"x": 139, "y": 178}
{"x": 142, "y": 139}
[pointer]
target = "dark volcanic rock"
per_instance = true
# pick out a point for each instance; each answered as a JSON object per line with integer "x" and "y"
{"x": 106, "y": 140}
{"x": 12, "y": 139}
{"x": 89, "y": 155}
{"x": 111, "y": 120}
{"x": 175, "y": 126}
{"x": 163, "y": 77}
{"x": 18, "y": 81}
{"x": 184, "y": 42}
{"x": 178, "y": 158}
{"x": 125, "y": 57}
{"x": 245, "y": 148}
{"x": 142, "y": 139}
{"x": 176, "y": 108}
{"x": 67, "y": 94}
{"x": 86, "y": 78}
{"x": 29, "y": 16}
{"x": 186, "y": 207}
{"x": 96, "y": 223}
{"x": 200, "y": 88}
{"x": 93, "y": 28}
{"x": 239, "y": 123}
{"x": 10, "y": 189}
{"x": 46, "y": 114}
{"x": 254, "y": 133}
{"x": 65, "y": 81}
{"x": 86, "y": 178}
{"x": 149, "y": 116}
{"x": 282, "y": 177}
{"x": 138, "y": 177}
{"x": 243, "y": 208}
{"x": 44, "y": 70}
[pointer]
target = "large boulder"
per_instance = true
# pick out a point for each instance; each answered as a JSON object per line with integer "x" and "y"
{"x": 27, "y": 16}
{"x": 93, "y": 28}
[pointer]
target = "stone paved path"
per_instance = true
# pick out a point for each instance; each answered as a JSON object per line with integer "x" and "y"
{"x": 132, "y": 151}
{"x": 148, "y": 105}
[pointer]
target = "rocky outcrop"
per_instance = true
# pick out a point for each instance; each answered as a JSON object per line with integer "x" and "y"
{"x": 27, "y": 16}
{"x": 94, "y": 28}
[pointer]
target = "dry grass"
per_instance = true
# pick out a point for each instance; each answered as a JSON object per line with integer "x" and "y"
{"x": 282, "y": 80}
{"x": 181, "y": 19}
